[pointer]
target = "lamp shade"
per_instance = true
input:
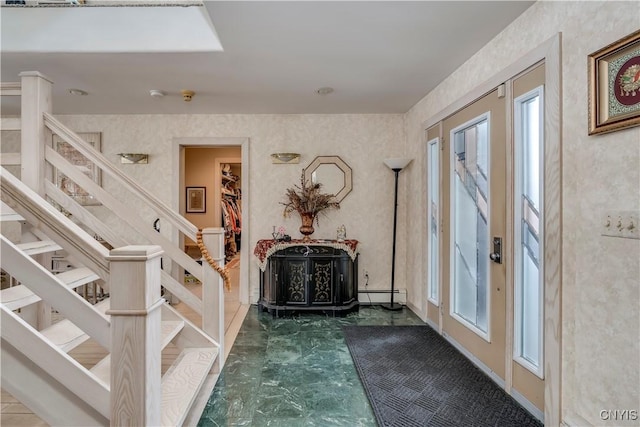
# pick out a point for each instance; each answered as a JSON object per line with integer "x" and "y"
{"x": 397, "y": 163}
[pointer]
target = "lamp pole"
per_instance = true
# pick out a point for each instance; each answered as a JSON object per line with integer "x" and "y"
{"x": 396, "y": 165}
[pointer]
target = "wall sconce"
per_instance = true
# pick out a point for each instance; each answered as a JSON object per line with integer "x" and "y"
{"x": 135, "y": 158}
{"x": 285, "y": 158}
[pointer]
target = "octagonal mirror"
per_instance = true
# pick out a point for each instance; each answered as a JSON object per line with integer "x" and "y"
{"x": 333, "y": 173}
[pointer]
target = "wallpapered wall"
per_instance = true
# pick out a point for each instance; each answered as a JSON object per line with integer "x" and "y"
{"x": 601, "y": 275}
{"x": 362, "y": 141}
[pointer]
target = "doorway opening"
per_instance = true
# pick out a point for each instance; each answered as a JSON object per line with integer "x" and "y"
{"x": 217, "y": 168}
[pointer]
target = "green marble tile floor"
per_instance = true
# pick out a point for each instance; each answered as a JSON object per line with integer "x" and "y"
{"x": 295, "y": 371}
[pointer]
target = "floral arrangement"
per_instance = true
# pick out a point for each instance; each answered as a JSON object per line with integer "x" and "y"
{"x": 308, "y": 200}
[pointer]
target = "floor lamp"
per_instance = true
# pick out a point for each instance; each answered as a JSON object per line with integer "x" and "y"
{"x": 396, "y": 165}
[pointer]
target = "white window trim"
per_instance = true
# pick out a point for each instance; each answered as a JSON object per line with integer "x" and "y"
{"x": 484, "y": 335}
{"x": 517, "y": 244}
{"x": 430, "y": 248}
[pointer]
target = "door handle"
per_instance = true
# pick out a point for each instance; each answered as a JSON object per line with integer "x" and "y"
{"x": 496, "y": 255}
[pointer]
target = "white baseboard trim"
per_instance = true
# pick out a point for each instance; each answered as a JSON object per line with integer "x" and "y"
{"x": 484, "y": 368}
{"x": 533, "y": 409}
{"x": 366, "y": 296}
{"x": 433, "y": 324}
{"x": 574, "y": 420}
{"x": 420, "y": 313}
{"x": 231, "y": 332}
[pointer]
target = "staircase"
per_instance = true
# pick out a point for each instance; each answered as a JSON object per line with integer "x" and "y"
{"x": 136, "y": 327}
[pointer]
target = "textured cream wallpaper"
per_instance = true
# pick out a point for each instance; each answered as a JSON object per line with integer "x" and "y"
{"x": 601, "y": 275}
{"x": 362, "y": 141}
{"x": 10, "y": 143}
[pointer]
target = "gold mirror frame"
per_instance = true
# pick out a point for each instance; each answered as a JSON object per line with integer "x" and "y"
{"x": 340, "y": 164}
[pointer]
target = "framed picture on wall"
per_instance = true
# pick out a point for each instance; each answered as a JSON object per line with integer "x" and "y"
{"x": 614, "y": 86}
{"x": 196, "y": 200}
{"x": 87, "y": 167}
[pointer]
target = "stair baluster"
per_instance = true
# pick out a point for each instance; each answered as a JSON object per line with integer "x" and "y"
{"x": 213, "y": 290}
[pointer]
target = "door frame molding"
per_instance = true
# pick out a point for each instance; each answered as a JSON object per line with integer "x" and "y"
{"x": 549, "y": 52}
{"x": 177, "y": 166}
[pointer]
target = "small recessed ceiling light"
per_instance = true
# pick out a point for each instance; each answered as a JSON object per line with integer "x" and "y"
{"x": 156, "y": 93}
{"x": 324, "y": 90}
{"x": 78, "y": 92}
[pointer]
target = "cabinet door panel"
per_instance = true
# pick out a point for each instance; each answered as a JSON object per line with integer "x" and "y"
{"x": 321, "y": 289}
{"x": 346, "y": 279}
{"x": 294, "y": 278}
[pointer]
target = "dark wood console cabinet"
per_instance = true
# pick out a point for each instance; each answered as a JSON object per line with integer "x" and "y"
{"x": 309, "y": 278}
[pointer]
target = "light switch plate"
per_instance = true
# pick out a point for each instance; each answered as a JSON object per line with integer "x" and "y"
{"x": 623, "y": 224}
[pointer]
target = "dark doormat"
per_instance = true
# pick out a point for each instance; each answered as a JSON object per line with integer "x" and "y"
{"x": 414, "y": 377}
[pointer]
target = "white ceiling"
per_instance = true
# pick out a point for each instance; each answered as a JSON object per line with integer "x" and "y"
{"x": 380, "y": 57}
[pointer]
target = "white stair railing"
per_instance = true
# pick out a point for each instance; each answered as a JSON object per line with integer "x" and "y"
{"x": 121, "y": 178}
{"x": 44, "y": 284}
{"x": 57, "y": 388}
{"x": 73, "y": 239}
{"x": 36, "y": 114}
{"x": 138, "y": 395}
{"x": 212, "y": 290}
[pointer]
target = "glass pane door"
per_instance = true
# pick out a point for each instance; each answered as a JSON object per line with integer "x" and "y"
{"x": 528, "y": 236}
{"x": 473, "y": 212}
{"x": 470, "y": 223}
{"x": 528, "y": 286}
{"x": 433, "y": 197}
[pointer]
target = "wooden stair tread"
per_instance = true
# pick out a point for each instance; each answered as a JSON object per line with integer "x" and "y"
{"x": 20, "y": 296}
{"x": 8, "y": 215}
{"x": 102, "y": 369}
{"x": 170, "y": 328}
{"x": 67, "y": 336}
{"x": 77, "y": 277}
{"x": 39, "y": 247}
{"x": 183, "y": 381}
{"x": 17, "y": 297}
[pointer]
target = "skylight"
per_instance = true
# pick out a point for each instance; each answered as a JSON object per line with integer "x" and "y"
{"x": 108, "y": 27}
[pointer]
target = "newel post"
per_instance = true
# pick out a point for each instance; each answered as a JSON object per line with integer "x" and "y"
{"x": 213, "y": 289}
{"x": 36, "y": 89}
{"x": 136, "y": 389}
